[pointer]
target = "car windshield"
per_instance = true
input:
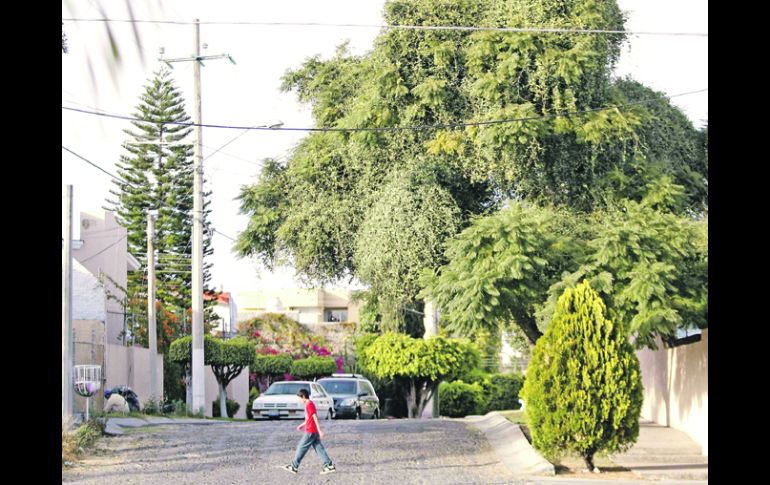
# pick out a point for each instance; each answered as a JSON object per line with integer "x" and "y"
{"x": 285, "y": 388}
{"x": 339, "y": 387}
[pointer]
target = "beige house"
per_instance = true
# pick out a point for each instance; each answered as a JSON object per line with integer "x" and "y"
{"x": 307, "y": 306}
{"x": 227, "y": 311}
{"x": 99, "y": 322}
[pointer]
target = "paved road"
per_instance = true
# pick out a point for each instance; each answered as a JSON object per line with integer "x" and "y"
{"x": 388, "y": 452}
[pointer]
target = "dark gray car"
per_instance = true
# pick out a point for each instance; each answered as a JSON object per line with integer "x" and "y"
{"x": 353, "y": 395}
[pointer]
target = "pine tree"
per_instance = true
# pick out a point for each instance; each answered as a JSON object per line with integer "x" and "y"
{"x": 157, "y": 175}
{"x": 583, "y": 389}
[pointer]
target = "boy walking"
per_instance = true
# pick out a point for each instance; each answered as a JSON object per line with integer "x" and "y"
{"x": 313, "y": 436}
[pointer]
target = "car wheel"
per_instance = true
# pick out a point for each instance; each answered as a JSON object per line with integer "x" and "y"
{"x": 358, "y": 413}
{"x": 329, "y": 414}
{"x": 376, "y": 414}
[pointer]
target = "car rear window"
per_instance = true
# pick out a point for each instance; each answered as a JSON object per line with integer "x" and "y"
{"x": 286, "y": 388}
{"x": 339, "y": 387}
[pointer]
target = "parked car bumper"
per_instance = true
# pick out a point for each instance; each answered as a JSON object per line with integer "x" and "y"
{"x": 345, "y": 412}
{"x": 278, "y": 413}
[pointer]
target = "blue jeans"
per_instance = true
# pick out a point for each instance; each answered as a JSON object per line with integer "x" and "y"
{"x": 314, "y": 440}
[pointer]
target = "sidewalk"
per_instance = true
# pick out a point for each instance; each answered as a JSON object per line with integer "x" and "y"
{"x": 661, "y": 454}
{"x": 664, "y": 453}
{"x": 115, "y": 425}
{"x": 511, "y": 445}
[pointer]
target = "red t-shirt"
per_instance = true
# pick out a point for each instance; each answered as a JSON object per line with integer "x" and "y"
{"x": 310, "y": 426}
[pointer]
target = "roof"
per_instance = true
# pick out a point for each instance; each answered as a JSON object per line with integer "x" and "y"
{"x": 223, "y": 297}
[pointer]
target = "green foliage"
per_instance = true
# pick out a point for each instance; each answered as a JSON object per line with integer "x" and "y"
{"x": 583, "y": 388}
{"x": 378, "y": 205}
{"x": 272, "y": 365}
{"x": 253, "y": 394}
{"x": 313, "y": 367}
{"x": 402, "y": 235}
{"x": 232, "y": 408}
{"x": 362, "y": 341}
{"x": 510, "y": 268}
{"x": 75, "y": 444}
{"x": 227, "y": 358}
{"x": 216, "y": 352}
{"x": 276, "y": 331}
{"x": 650, "y": 265}
{"x": 499, "y": 391}
{"x": 672, "y": 149}
{"x": 458, "y": 399}
{"x": 368, "y": 314}
{"x": 437, "y": 358}
{"x": 180, "y": 350}
{"x": 180, "y": 407}
{"x": 154, "y": 177}
{"x": 173, "y": 379}
{"x": 503, "y": 392}
{"x": 500, "y": 267}
{"x": 422, "y": 363}
{"x": 151, "y": 406}
{"x": 235, "y": 352}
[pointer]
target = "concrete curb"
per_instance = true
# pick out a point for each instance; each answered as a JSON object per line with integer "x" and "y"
{"x": 511, "y": 445}
{"x": 115, "y": 426}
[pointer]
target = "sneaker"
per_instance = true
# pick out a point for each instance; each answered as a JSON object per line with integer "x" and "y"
{"x": 328, "y": 469}
{"x": 290, "y": 469}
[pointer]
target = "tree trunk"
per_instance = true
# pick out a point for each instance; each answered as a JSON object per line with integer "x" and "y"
{"x": 528, "y": 325}
{"x": 223, "y": 400}
{"x": 188, "y": 388}
{"x": 411, "y": 400}
{"x": 426, "y": 392}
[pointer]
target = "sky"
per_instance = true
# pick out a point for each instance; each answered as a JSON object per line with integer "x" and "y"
{"x": 247, "y": 93}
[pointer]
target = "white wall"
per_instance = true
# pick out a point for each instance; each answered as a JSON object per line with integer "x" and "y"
{"x": 130, "y": 366}
{"x": 676, "y": 387}
{"x": 88, "y": 302}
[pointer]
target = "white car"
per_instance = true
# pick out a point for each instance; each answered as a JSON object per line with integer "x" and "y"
{"x": 280, "y": 400}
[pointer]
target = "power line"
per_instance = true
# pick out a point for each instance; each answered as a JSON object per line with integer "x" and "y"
{"x": 95, "y": 165}
{"x": 223, "y": 234}
{"x": 105, "y": 249}
{"x": 395, "y": 128}
{"x": 523, "y": 30}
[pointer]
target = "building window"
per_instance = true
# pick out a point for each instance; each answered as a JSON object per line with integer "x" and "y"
{"x": 336, "y": 315}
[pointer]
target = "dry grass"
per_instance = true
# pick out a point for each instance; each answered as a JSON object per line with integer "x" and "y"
{"x": 76, "y": 441}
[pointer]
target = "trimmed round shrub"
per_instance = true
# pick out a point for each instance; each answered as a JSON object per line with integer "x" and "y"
{"x": 232, "y": 408}
{"x": 583, "y": 388}
{"x": 313, "y": 367}
{"x": 272, "y": 365}
{"x": 504, "y": 391}
{"x": 457, "y": 399}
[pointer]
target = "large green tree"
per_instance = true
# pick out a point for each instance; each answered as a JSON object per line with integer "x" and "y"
{"x": 500, "y": 268}
{"x": 648, "y": 263}
{"x": 157, "y": 175}
{"x": 342, "y": 203}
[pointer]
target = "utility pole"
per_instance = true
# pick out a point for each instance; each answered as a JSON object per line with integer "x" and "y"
{"x": 66, "y": 312}
{"x": 151, "y": 320}
{"x": 430, "y": 321}
{"x": 198, "y": 381}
